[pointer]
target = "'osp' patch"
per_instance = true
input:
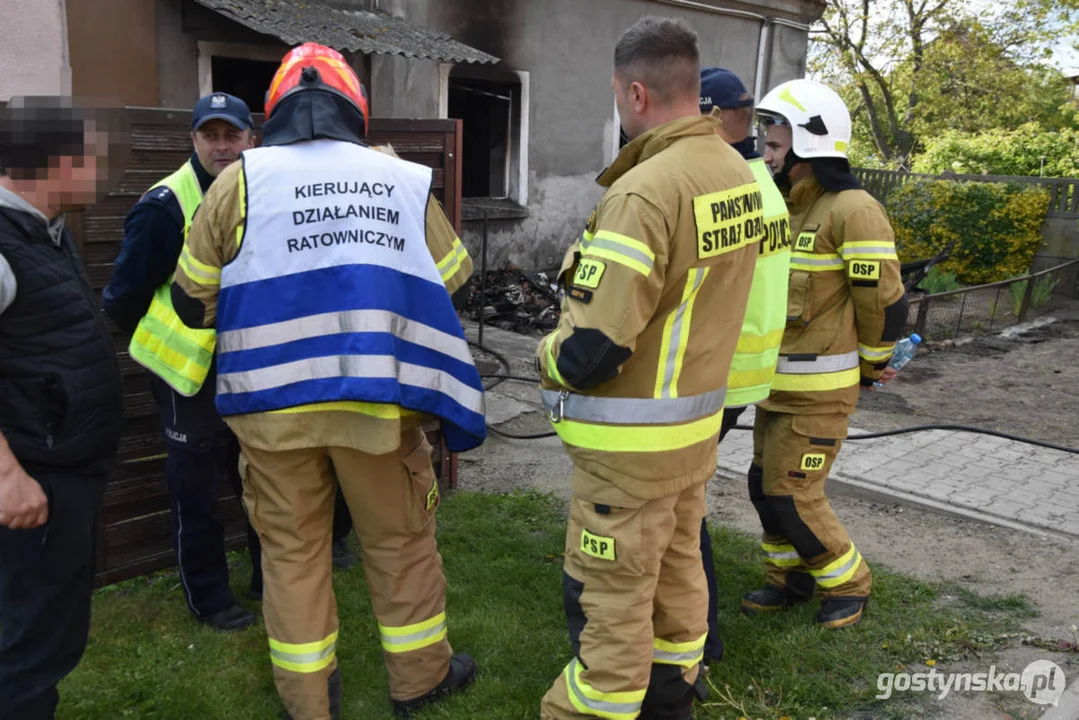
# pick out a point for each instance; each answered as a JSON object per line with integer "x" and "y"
{"x": 589, "y": 273}
{"x": 597, "y": 546}
{"x": 812, "y": 462}
{"x": 865, "y": 270}
{"x": 806, "y": 241}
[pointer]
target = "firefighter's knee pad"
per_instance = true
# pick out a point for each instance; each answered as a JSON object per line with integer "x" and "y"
{"x": 793, "y": 527}
{"x": 575, "y": 617}
{"x": 769, "y": 522}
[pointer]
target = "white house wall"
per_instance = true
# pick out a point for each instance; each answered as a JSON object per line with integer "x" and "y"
{"x": 33, "y": 48}
{"x": 567, "y": 46}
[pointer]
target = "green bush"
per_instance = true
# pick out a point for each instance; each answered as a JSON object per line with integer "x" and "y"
{"x": 996, "y": 227}
{"x": 1030, "y": 149}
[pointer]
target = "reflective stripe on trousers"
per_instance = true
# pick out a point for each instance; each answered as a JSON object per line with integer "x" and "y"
{"x": 687, "y": 654}
{"x": 588, "y": 700}
{"x": 839, "y": 571}
{"x": 304, "y": 658}
{"x": 413, "y": 637}
{"x": 781, "y": 555}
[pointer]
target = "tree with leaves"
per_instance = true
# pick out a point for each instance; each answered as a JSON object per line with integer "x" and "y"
{"x": 910, "y": 69}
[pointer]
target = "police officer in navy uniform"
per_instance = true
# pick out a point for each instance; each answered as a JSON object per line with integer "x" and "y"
{"x": 202, "y": 451}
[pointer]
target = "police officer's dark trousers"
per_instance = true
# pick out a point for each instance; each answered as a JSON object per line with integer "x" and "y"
{"x": 46, "y": 580}
{"x": 713, "y": 646}
{"x": 202, "y": 452}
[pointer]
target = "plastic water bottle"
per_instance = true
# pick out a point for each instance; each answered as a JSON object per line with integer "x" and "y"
{"x": 905, "y": 350}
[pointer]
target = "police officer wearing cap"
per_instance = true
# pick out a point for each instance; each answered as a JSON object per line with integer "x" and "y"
{"x": 754, "y": 362}
{"x": 202, "y": 451}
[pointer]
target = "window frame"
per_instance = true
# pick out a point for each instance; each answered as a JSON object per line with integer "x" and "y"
{"x": 207, "y": 51}
{"x": 517, "y": 157}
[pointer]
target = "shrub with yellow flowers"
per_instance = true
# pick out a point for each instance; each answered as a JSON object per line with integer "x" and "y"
{"x": 996, "y": 227}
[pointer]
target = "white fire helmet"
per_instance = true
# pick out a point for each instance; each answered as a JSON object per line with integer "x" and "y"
{"x": 818, "y": 118}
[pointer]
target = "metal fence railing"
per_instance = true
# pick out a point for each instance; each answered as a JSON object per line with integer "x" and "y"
{"x": 985, "y": 308}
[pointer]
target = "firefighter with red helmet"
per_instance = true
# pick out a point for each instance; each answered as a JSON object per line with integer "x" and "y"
{"x": 327, "y": 269}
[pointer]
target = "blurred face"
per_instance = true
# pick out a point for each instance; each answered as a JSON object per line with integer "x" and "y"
{"x": 777, "y": 141}
{"x": 218, "y": 144}
{"x": 75, "y": 182}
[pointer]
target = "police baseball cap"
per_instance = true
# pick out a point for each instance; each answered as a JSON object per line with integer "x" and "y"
{"x": 222, "y": 106}
{"x": 722, "y": 89}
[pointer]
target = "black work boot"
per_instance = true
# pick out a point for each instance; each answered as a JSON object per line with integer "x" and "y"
{"x": 234, "y": 617}
{"x": 462, "y": 672}
{"x": 343, "y": 555}
{"x": 770, "y": 598}
{"x": 713, "y": 652}
{"x": 841, "y": 612}
{"x": 681, "y": 709}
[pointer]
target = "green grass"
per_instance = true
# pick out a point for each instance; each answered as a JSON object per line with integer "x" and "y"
{"x": 502, "y": 554}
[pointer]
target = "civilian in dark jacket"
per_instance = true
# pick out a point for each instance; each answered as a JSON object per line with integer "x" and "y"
{"x": 61, "y": 401}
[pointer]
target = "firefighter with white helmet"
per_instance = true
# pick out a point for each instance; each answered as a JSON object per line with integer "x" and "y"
{"x": 846, "y": 308}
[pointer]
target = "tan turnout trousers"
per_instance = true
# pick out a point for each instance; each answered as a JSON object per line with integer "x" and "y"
{"x": 792, "y": 456}
{"x": 633, "y": 579}
{"x": 393, "y": 498}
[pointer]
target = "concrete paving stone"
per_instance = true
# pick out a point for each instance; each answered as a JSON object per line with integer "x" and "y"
{"x": 969, "y": 453}
{"x": 1008, "y": 455}
{"x": 1042, "y": 514}
{"x": 1058, "y": 478}
{"x": 980, "y": 493}
{"x": 938, "y": 492}
{"x": 929, "y": 439}
{"x": 1067, "y": 499}
{"x": 1036, "y": 488}
{"x": 999, "y": 484}
{"x": 1004, "y": 508}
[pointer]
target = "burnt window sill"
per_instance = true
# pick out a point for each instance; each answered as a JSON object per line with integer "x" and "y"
{"x": 472, "y": 209}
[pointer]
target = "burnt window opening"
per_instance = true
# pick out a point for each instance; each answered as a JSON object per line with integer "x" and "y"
{"x": 490, "y": 147}
{"x": 246, "y": 79}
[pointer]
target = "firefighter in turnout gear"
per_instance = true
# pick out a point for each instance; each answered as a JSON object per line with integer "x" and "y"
{"x": 846, "y": 308}
{"x": 634, "y": 380}
{"x": 327, "y": 268}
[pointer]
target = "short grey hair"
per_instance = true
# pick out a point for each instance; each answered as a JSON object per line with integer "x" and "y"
{"x": 662, "y": 54}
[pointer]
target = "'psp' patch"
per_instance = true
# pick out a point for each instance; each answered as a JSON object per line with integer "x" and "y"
{"x": 812, "y": 462}
{"x": 589, "y": 273}
{"x": 597, "y": 546}
{"x": 806, "y": 241}
{"x": 864, "y": 270}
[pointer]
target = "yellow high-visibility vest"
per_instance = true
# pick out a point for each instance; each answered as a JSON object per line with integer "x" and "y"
{"x": 754, "y": 365}
{"x": 162, "y": 343}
